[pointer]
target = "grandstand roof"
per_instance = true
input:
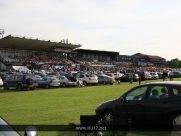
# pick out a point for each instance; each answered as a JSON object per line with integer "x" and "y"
{"x": 89, "y": 50}
{"x": 22, "y": 43}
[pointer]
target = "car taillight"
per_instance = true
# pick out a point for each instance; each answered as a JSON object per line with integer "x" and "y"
{"x": 143, "y": 75}
{"x": 51, "y": 81}
{"x": 69, "y": 80}
{"x": 89, "y": 78}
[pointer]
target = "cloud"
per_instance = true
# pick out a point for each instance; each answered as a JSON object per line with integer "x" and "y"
{"x": 125, "y": 26}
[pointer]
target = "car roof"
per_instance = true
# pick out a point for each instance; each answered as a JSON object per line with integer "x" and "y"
{"x": 166, "y": 82}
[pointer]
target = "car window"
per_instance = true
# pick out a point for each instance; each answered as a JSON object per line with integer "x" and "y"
{"x": 176, "y": 92}
{"x": 81, "y": 76}
{"x": 44, "y": 79}
{"x": 159, "y": 92}
{"x": 137, "y": 94}
{"x": 93, "y": 76}
{"x": 62, "y": 77}
{"x": 11, "y": 77}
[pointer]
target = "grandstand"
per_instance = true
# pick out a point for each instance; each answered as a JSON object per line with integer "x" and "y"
{"x": 36, "y": 54}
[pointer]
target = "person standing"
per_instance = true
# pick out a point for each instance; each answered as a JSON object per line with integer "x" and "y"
{"x": 131, "y": 77}
{"x": 171, "y": 75}
{"x": 139, "y": 78}
{"x": 164, "y": 75}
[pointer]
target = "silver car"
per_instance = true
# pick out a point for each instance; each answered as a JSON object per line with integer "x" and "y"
{"x": 88, "y": 79}
{"x": 64, "y": 81}
{"x": 48, "y": 82}
{"x": 104, "y": 79}
{"x": 1, "y": 82}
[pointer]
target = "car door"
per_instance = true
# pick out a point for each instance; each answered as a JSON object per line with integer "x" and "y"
{"x": 131, "y": 105}
{"x": 61, "y": 79}
{"x": 15, "y": 81}
{"x": 10, "y": 81}
{"x": 42, "y": 82}
{"x": 156, "y": 106}
{"x": 100, "y": 79}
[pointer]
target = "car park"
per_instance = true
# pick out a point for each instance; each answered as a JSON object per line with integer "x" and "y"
{"x": 47, "y": 82}
{"x": 20, "y": 82}
{"x": 64, "y": 81}
{"x": 150, "y": 103}
{"x": 87, "y": 79}
{"x": 125, "y": 78}
{"x": 104, "y": 79}
{"x": 154, "y": 75}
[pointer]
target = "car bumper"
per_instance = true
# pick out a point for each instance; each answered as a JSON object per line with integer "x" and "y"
{"x": 92, "y": 82}
{"x": 35, "y": 85}
{"x": 55, "y": 84}
{"x": 71, "y": 83}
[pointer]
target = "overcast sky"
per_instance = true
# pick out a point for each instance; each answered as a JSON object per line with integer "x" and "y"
{"x": 150, "y": 27}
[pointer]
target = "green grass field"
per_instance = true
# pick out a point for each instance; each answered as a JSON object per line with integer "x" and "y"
{"x": 58, "y": 106}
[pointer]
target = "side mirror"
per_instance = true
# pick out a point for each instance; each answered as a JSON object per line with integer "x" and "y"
{"x": 122, "y": 98}
{"x": 31, "y": 131}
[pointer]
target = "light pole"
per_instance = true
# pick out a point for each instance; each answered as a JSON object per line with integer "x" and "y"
{"x": 1, "y": 32}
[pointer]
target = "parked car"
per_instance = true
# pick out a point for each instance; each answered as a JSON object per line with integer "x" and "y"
{"x": 41, "y": 74}
{"x": 111, "y": 75}
{"x": 48, "y": 82}
{"x": 145, "y": 75}
{"x": 57, "y": 74}
{"x": 118, "y": 75}
{"x": 160, "y": 75}
{"x": 176, "y": 74}
{"x": 104, "y": 79}
{"x": 125, "y": 78}
{"x": 7, "y": 130}
{"x": 4, "y": 75}
{"x": 154, "y": 75}
{"x": 38, "y": 77}
{"x": 150, "y": 103}
{"x": 20, "y": 82}
{"x": 87, "y": 79}
{"x": 64, "y": 81}
{"x": 1, "y": 82}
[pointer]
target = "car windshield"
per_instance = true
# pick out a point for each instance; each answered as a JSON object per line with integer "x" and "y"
{"x": 93, "y": 75}
{"x": 6, "y": 129}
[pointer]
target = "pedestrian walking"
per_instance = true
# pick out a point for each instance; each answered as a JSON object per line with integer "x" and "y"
{"x": 171, "y": 75}
{"x": 131, "y": 77}
{"x": 139, "y": 79}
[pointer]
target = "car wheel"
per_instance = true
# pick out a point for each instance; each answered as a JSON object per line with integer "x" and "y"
{"x": 111, "y": 83}
{"x": 108, "y": 117}
{"x": 175, "y": 120}
{"x": 104, "y": 83}
{"x": 5, "y": 87}
{"x": 85, "y": 83}
{"x": 47, "y": 86}
{"x": 33, "y": 88}
{"x": 63, "y": 85}
{"x": 20, "y": 88}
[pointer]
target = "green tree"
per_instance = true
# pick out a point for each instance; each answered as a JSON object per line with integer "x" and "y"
{"x": 174, "y": 63}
